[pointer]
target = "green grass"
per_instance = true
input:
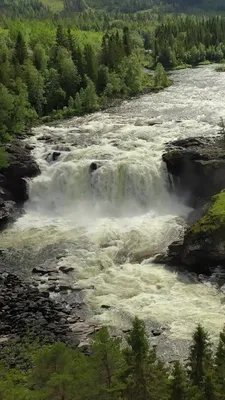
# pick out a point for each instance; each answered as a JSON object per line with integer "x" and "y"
{"x": 214, "y": 217}
{"x": 54, "y": 5}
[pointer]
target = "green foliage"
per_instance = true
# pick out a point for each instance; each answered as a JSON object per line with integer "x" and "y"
{"x": 50, "y": 71}
{"x": 3, "y": 158}
{"x": 112, "y": 371}
{"x": 214, "y": 216}
{"x": 200, "y": 358}
{"x": 160, "y": 77}
{"x": 189, "y": 40}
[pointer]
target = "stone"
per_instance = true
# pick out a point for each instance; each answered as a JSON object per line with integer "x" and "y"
{"x": 55, "y": 155}
{"x": 8, "y": 212}
{"x": 42, "y": 270}
{"x": 196, "y": 168}
{"x": 66, "y": 270}
{"x": 203, "y": 247}
{"x": 21, "y": 165}
{"x": 93, "y": 167}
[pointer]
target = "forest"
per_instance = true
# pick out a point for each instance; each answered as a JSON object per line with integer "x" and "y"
{"x": 49, "y": 70}
{"x": 112, "y": 370}
{"x": 126, "y": 6}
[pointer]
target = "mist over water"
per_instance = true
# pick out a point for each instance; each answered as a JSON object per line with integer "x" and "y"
{"x": 107, "y": 218}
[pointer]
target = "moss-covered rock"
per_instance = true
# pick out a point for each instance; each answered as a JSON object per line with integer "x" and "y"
{"x": 204, "y": 242}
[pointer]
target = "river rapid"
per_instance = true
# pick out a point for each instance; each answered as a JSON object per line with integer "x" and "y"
{"x": 101, "y": 223}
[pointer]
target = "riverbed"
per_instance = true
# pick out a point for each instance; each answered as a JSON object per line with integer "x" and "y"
{"x": 101, "y": 221}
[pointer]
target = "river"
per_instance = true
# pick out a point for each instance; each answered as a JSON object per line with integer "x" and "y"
{"x": 100, "y": 222}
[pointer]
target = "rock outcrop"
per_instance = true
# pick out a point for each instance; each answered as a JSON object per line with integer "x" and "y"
{"x": 196, "y": 168}
{"x": 13, "y": 183}
{"x": 203, "y": 246}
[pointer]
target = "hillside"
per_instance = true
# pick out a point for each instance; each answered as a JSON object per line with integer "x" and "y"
{"x": 27, "y": 7}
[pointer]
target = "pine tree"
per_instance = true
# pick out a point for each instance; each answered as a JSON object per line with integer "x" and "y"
{"x": 178, "y": 383}
{"x": 108, "y": 362}
{"x": 20, "y": 49}
{"x": 220, "y": 363}
{"x": 103, "y": 78}
{"x": 89, "y": 98}
{"x": 200, "y": 358}
{"x": 127, "y": 41}
{"x": 78, "y": 104}
{"x": 90, "y": 63}
{"x": 160, "y": 77}
{"x": 136, "y": 374}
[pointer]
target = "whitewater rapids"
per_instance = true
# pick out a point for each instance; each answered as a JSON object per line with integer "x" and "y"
{"x": 106, "y": 219}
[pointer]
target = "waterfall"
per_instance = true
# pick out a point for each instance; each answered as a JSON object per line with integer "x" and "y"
{"x": 105, "y": 201}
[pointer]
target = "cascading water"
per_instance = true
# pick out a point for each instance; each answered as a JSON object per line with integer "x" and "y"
{"x": 105, "y": 202}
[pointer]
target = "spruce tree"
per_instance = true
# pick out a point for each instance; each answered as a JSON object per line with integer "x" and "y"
{"x": 200, "y": 358}
{"x": 20, "y": 49}
{"x": 108, "y": 362}
{"x": 127, "y": 41}
{"x": 136, "y": 356}
{"x": 178, "y": 383}
{"x": 220, "y": 363}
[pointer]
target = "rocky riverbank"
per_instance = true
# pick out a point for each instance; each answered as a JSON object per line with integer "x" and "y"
{"x": 25, "y": 310}
{"x": 197, "y": 171}
{"x": 13, "y": 180}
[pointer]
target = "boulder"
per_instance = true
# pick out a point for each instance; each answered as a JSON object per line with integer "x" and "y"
{"x": 13, "y": 184}
{"x": 203, "y": 247}
{"x": 21, "y": 165}
{"x": 8, "y": 211}
{"x": 196, "y": 167}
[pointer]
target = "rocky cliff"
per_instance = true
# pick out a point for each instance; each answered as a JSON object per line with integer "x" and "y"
{"x": 197, "y": 171}
{"x": 13, "y": 179}
{"x": 196, "y": 168}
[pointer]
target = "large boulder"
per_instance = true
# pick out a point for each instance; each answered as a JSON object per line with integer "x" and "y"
{"x": 204, "y": 242}
{"x": 196, "y": 168}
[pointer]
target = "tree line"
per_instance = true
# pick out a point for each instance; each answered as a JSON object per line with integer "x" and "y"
{"x": 189, "y": 40}
{"x": 112, "y": 370}
{"x": 55, "y": 71}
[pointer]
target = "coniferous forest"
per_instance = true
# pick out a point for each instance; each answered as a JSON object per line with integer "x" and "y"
{"x": 113, "y": 370}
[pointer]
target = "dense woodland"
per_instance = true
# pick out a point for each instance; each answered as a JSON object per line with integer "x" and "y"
{"x": 113, "y": 370}
{"x": 49, "y": 70}
{"x": 189, "y": 40}
{"x": 125, "y": 6}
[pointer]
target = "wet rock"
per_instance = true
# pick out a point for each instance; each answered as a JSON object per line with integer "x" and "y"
{"x": 45, "y": 138}
{"x": 66, "y": 270}
{"x": 197, "y": 167}
{"x": 8, "y": 212}
{"x": 55, "y": 155}
{"x": 203, "y": 247}
{"x": 21, "y": 165}
{"x": 157, "y": 332}
{"x": 93, "y": 167}
{"x": 43, "y": 270}
{"x": 13, "y": 185}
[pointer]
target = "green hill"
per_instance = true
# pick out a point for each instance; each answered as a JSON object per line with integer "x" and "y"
{"x": 26, "y": 7}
